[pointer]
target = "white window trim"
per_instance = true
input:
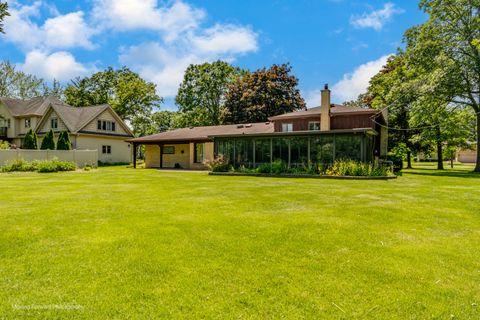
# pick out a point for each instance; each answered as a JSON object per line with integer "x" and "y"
{"x": 314, "y": 122}
{"x": 287, "y": 127}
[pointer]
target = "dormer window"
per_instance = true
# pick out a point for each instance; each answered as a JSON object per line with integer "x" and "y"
{"x": 54, "y": 123}
{"x": 287, "y": 127}
{"x": 314, "y": 125}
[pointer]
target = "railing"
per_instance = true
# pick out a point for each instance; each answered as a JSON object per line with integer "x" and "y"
{"x": 3, "y": 132}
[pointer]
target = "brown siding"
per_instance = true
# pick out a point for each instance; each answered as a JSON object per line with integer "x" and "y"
{"x": 352, "y": 122}
{"x": 299, "y": 124}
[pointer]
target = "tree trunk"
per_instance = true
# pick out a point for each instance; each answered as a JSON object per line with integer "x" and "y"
{"x": 451, "y": 162}
{"x": 409, "y": 160}
{"x": 439, "y": 155}
{"x": 477, "y": 167}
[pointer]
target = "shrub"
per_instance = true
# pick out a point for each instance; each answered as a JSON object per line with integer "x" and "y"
{"x": 30, "y": 140}
{"x": 220, "y": 164}
{"x": 41, "y": 166}
{"x": 264, "y": 168}
{"x": 278, "y": 167}
{"x": 354, "y": 168}
{"x": 48, "y": 143}
{"x": 4, "y": 145}
{"x": 63, "y": 141}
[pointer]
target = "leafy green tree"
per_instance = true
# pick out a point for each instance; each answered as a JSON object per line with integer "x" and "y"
{"x": 63, "y": 142}
{"x": 30, "y": 140}
{"x": 392, "y": 89}
{"x": 129, "y": 95}
{"x": 3, "y": 13}
{"x": 17, "y": 84}
{"x": 448, "y": 47}
{"x": 201, "y": 95}
{"x": 48, "y": 143}
{"x": 264, "y": 93}
{"x": 55, "y": 90}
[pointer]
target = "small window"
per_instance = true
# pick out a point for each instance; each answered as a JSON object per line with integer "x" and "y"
{"x": 314, "y": 125}
{"x": 99, "y": 125}
{"x": 113, "y": 126}
{"x": 199, "y": 152}
{"x": 169, "y": 150}
{"x": 28, "y": 123}
{"x": 287, "y": 127}
{"x": 106, "y": 149}
{"x": 54, "y": 123}
{"x": 104, "y": 125}
{"x": 8, "y": 123}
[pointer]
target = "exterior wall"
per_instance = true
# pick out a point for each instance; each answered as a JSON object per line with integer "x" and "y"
{"x": 121, "y": 150}
{"x": 46, "y": 125}
{"x": 467, "y": 156}
{"x": 106, "y": 116}
{"x": 185, "y": 159}
{"x": 299, "y": 124}
{"x": 80, "y": 157}
{"x": 6, "y": 114}
{"x": 352, "y": 122}
{"x": 21, "y": 124}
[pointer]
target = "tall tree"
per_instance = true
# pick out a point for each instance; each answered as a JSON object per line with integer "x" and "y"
{"x": 17, "y": 84}
{"x": 3, "y": 13}
{"x": 48, "y": 143}
{"x": 201, "y": 95}
{"x": 264, "y": 93}
{"x": 391, "y": 88}
{"x": 129, "y": 95}
{"x": 56, "y": 89}
{"x": 448, "y": 45}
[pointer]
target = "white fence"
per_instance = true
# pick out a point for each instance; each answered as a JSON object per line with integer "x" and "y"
{"x": 80, "y": 157}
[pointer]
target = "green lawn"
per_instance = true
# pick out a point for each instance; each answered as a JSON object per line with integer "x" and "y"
{"x": 119, "y": 243}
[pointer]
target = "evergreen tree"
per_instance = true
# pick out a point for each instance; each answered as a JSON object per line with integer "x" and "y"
{"x": 48, "y": 143}
{"x": 30, "y": 140}
{"x": 63, "y": 141}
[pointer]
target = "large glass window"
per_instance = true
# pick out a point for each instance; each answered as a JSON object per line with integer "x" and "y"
{"x": 348, "y": 147}
{"x": 321, "y": 149}
{"x": 299, "y": 152}
{"x": 280, "y": 149}
{"x": 244, "y": 152}
{"x": 262, "y": 151}
{"x": 224, "y": 148}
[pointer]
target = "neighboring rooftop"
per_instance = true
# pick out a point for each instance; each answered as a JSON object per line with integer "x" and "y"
{"x": 204, "y": 133}
{"x": 31, "y": 107}
{"x": 335, "y": 109}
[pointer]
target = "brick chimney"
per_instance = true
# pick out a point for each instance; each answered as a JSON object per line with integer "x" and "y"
{"x": 325, "y": 110}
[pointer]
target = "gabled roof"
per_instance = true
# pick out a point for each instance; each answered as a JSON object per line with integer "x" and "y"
{"x": 335, "y": 109}
{"x": 205, "y": 133}
{"x": 31, "y": 107}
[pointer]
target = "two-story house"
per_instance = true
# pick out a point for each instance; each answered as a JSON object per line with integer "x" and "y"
{"x": 90, "y": 128}
{"x": 317, "y": 135}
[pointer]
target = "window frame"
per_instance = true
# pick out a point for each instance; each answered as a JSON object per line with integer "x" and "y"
{"x": 28, "y": 123}
{"x": 195, "y": 155}
{"x": 316, "y": 124}
{"x": 288, "y": 126}
{"x": 106, "y": 149}
{"x": 52, "y": 121}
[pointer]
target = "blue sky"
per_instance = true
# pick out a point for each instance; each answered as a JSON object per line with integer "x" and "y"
{"x": 339, "y": 42}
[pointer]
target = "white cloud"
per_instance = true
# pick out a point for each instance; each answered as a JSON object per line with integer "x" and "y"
{"x": 165, "y": 64}
{"x": 226, "y": 39}
{"x": 60, "y": 65}
{"x": 68, "y": 31}
{"x": 147, "y": 14}
{"x": 376, "y": 19}
{"x": 60, "y": 32}
{"x": 356, "y": 82}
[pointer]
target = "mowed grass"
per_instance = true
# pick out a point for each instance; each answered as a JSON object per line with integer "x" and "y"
{"x": 118, "y": 243}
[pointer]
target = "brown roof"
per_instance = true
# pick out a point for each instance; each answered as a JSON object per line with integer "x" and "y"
{"x": 77, "y": 118}
{"x": 335, "y": 110}
{"x": 205, "y": 133}
{"x": 31, "y": 107}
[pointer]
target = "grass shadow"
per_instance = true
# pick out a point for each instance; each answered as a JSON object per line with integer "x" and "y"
{"x": 454, "y": 173}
